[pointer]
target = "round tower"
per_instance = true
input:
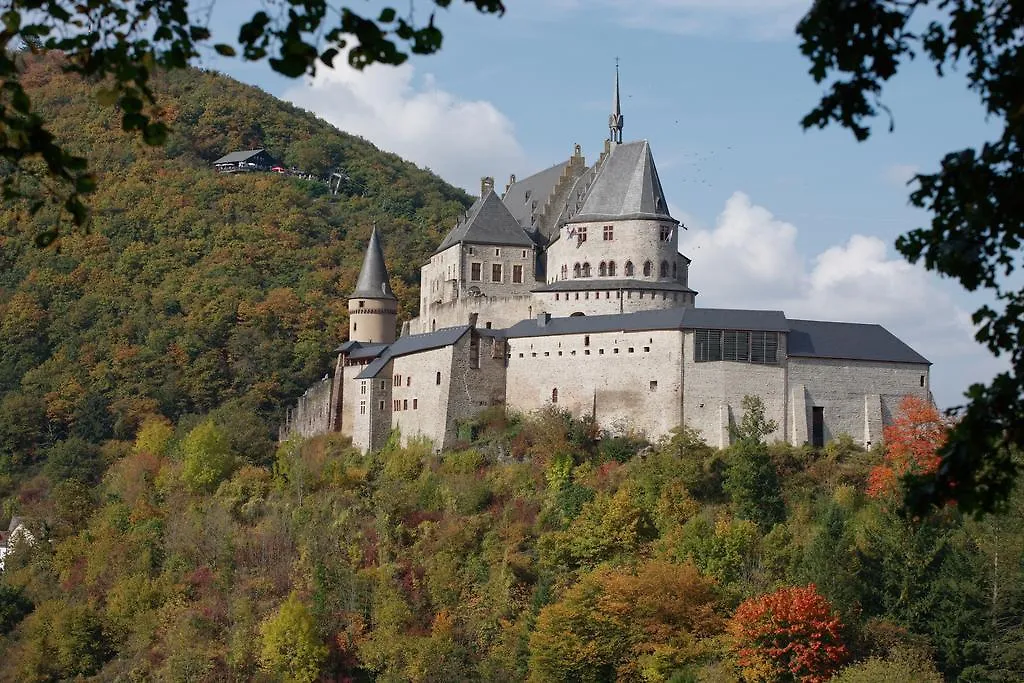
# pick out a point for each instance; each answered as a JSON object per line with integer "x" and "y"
{"x": 373, "y": 307}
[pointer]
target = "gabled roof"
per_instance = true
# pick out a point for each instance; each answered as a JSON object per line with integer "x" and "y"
{"x": 235, "y": 157}
{"x": 373, "y": 282}
{"x": 414, "y": 343}
{"x": 520, "y": 197}
{"x": 848, "y": 341}
{"x": 626, "y": 186}
{"x": 489, "y": 222}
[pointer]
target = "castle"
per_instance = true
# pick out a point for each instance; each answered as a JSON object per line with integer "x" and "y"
{"x": 568, "y": 289}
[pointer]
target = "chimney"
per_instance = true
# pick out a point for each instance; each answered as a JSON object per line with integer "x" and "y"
{"x": 472, "y": 319}
{"x": 486, "y": 185}
{"x": 542, "y": 319}
{"x": 511, "y": 182}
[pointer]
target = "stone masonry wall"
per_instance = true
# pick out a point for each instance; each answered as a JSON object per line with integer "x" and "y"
{"x": 858, "y": 397}
{"x": 311, "y": 415}
{"x": 714, "y": 392}
{"x": 498, "y": 311}
{"x": 632, "y": 240}
{"x": 474, "y": 386}
{"x": 420, "y": 394}
{"x": 633, "y": 377}
{"x": 609, "y": 301}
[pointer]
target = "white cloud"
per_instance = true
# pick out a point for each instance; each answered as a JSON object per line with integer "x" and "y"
{"x": 460, "y": 140}
{"x": 900, "y": 174}
{"x": 750, "y": 259}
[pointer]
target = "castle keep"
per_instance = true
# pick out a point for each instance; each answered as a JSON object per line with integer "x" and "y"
{"x": 568, "y": 289}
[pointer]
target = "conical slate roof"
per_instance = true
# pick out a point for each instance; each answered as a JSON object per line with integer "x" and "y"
{"x": 373, "y": 282}
{"x": 489, "y": 222}
{"x": 626, "y": 186}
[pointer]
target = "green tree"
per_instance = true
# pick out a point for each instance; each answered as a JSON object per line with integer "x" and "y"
{"x": 753, "y": 484}
{"x": 291, "y": 648}
{"x": 977, "y": 225}
{"x": 123, "y": 50}
{"x": 207, "y": 458}
{"x": 13, "y": 607}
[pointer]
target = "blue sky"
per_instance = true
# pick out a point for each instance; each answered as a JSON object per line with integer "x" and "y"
{"x": 777, "y": 217}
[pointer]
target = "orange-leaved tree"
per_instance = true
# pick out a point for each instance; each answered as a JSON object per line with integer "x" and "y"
{"x": 792, "y": 634}
{"x": 912, "y": 442}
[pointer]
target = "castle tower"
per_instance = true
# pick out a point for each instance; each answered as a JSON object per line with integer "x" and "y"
{"x": 372, "y": 307}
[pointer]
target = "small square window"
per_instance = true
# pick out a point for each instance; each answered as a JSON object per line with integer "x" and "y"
{"x": 586, "y": 352}
{"x": 631, "y": 349}
{"x": 600, "y": 352}
{"x": 647, "y": 349}
{"x": 520, "y": 355}
{"x": 654, "y": 385}
{"x": 362, "y": 304}
{"x": 547, "y": 353}
{"x": 615, "y": 350}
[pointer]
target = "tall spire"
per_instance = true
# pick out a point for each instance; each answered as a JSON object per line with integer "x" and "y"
{"x": 373, "y": 277}
{"x": 616, "y": 118}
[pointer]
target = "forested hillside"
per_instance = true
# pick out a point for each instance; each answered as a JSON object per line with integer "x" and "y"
{"x": 193, "y": 289}
{"x": 165, "y": 536}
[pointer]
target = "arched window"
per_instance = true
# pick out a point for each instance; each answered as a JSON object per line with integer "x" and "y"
{"x": 647, "y": 268}
{"x": 611, "y": 269}
{"x": 663, "y": 271}
{"x": 554, "y": 395}
{"x": 629, "y": 269}
{"x": 576, "y": 270}
{"x": 586, "y": 270}
{"x": 602, "y": 269}
{"x": 438, "y": 379}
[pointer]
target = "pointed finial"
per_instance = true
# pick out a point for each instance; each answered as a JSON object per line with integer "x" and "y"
{"x": 615, "y": 119}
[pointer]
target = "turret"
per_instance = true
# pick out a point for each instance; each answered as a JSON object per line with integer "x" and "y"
{"x": 615, "y": 120}
{"x": 372, "y": 307}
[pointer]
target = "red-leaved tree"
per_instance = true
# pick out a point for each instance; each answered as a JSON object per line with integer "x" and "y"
{"x": 911, "y": 444}
{"x": 792, "y": 634}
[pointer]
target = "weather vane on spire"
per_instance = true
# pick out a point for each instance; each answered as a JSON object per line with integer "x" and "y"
{"x": 615, "y": 119}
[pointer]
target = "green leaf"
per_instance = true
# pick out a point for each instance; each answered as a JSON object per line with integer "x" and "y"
{"x": 387, "y": 15}
{"x": 328, "y": 56}
{"x": 225, "y": 50}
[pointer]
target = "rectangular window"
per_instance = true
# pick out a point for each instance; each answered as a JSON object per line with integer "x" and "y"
{"x": 415, "y": 404}
{"x": 383, "y": 384}
{"x": 524, "y": 253}
{"x": 581, "y": 234}
{"x": 608, "y": 233}
{"x": 495, "y": 272}
{"x": 517, "y": 273}
{"x": 654, "y": 385}
{"x": 382, "y": 405}
{"x": 497, "y": 252}
{"x": 817, "y": 426}
{"x": 471, "y": 252}
{"x": 474, "y": 271}
{"x": 707, "y": 345}
{"x": 362, "y": 407}
{"x": 405, "y": 404}
{"x": 408, "y": 381}
{"x": 736, "y": 346}
{"x": 666, "y": 233}
{"x": 764, "y": 348}
{"x": 362, "y": 388}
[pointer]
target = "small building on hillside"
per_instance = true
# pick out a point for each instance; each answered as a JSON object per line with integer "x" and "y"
{"x": 16, "y": 533}
{"x": 245, "y": 160}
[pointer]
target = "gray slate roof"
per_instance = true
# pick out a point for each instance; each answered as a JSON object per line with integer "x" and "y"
{"x": 489, "y": 222}
{"x": 734, "y": 319}
{"x": 537, "y": 188}
{"x": 848, "y": 341}
{"x": 235, "y": 157}
{"x": 414, "y": 343}
{"x": 373, "y": 282}
{"x": 626, "y": 186}
{"x": 590, "y": 284}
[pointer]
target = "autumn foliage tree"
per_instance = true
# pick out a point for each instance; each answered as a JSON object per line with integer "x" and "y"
{"x": 912, "y": 443}
{"x": 792, "y": 634}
